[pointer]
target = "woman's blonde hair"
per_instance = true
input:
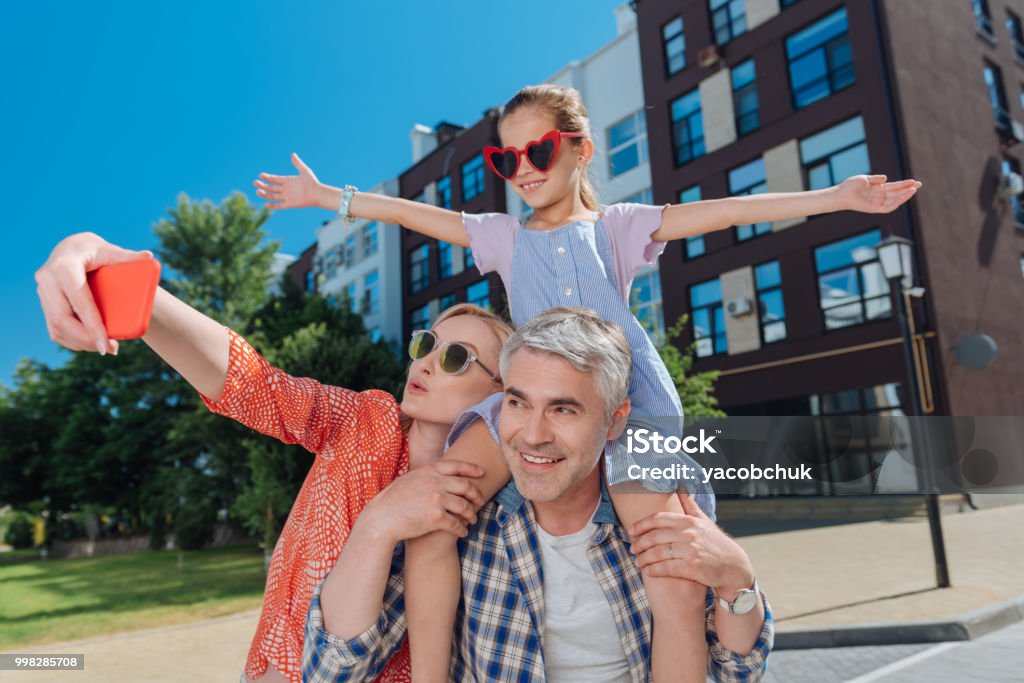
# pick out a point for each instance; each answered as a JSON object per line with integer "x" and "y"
{"x": 566, "y": 106}
{"x": 498, "y": 326}
{"x": 501, "y": 329}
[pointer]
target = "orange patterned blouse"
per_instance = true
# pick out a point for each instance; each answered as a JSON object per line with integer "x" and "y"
{"x": 359, "y": 448}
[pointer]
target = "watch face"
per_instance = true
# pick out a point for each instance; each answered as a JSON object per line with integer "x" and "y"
{"x": 745, "y": 602}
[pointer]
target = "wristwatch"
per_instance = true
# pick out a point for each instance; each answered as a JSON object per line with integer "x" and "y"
{"x": 745, "y": 600}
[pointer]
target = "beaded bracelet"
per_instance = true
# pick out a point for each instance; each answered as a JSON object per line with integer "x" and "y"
{"x": 346, "y": 200}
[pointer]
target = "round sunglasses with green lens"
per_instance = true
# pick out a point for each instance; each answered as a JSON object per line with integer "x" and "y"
{"x": 455, "y": 356}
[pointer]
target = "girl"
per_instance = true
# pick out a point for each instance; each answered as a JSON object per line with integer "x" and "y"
{"x": 569, "y": 255}
{"x": 362, "y": 441}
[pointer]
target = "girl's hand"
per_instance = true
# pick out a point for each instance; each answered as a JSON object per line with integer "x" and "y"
{"x": 289, "y": 192}
{"x": 71, "y": 315}
{"x": 871, "y": 194}
{"x": 435, "y": 497}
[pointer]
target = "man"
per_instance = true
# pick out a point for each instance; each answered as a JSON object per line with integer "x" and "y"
{"x": 546, "y": 561}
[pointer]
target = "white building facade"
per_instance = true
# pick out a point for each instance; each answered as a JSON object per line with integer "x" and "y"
{"x": 360, "y": 266}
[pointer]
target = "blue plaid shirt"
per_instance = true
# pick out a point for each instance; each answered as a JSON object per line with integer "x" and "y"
{"x": 499, "y": 626}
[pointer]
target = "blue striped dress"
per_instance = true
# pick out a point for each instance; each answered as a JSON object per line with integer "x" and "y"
{"x": 592, "y": 264}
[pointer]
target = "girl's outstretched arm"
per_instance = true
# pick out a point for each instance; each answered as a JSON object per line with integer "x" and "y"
{"x": 865, "y": 193}
{"x": 293, "y": 192}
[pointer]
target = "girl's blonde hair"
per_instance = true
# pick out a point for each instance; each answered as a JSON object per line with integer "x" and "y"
{"x": 501, "y": 329}
{"x": 566, "y": 106}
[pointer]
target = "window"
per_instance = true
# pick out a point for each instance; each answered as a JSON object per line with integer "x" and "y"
{"x": 695, "y": 244}
{"x": 674, "y": 46}
{"x": 851, "y": 286}
{"x": 983, "y": 18}
{"x": 370, "y": 239}
{"x": 728, "y": 19}
{"x": 350, "y": 297}
{"x": 627, "y": 144}
{"x": 744, "y": 98}
{"x": 788, "y": 3}
{"x": 687, "y": 128}
{"x": 820, "y": 59}
{"x": 841, "y": 440}
{"x": 447, "y": 301}
{"x": 1011, "y": 165}
{"x": 645, "y": 300}
{"x": 350, "y": 250}
{"x": 419, "y": 318}
{"x": 645, "y": 196}
{"x": 444, "y": 259}
{"x": 371, "y": 293}
{"x": 331, "y": 261}
{"x": 419, "y": 272}
{"x": 996, "y": 94}
{"x": 746, "y": 180}
{"x": 835, "y": 154}
{"x": 472, "y": 178}
{"x": 479, "y": 293}
{"x": 708, "y": 318}
{"x": 768, "y": 280}
{"x": 444, "y": 192}
{"x": 848, "y": 419}
{"x": 1013, "y": 27}
{"x": 311, "y": 282}
{"x": 374, "y": 334}
{"x": 469, "y": 262}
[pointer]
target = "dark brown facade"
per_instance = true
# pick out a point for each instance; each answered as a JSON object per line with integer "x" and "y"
{"x": 456, "y": 147}
{"x": 971, "y": 239}
{"x": 919, "y": 91}
{"x": 301, "y": 271}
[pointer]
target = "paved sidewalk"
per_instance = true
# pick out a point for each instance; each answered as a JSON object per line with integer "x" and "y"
{"x": 874, "y": 572}
{"x": 206, "y": 651}
{"x": 883, "y": 572}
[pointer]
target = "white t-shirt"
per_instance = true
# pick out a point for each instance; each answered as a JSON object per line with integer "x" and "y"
{"x": 581, "y": 643}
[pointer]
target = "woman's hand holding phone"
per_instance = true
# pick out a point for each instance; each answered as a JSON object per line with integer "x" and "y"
{"x": 72, "y": 317}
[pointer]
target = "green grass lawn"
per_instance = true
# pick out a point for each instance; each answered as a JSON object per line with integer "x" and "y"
{"x": 52, "y": 600}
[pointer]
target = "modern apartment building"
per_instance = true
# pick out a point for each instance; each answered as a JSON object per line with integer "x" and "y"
{"x": 751, "y": 96}
{"x": 358, "y": 265}
{"x": 302, "y": 271}
{"x": 448, "y": 170}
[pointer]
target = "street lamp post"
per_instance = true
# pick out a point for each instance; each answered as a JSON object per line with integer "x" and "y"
{"x": 895, "y": 255}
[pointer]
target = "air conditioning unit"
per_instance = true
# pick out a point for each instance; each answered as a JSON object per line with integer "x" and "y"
{"x": 709, "y": 56}
{"x": 1012, "y": 185}
{"x": 738, "y": 307}
{"x": 1011, "y": 134}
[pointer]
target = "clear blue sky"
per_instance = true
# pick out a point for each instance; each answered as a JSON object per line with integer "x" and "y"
{"x": 110, "y": 110}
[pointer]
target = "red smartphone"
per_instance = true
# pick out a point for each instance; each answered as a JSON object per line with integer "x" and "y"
{"x": 124, "y": 294}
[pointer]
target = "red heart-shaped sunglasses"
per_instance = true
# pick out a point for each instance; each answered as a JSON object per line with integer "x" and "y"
{"x": 540, "y": 153}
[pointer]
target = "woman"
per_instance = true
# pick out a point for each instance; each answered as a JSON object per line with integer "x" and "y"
{"x": 363, "y": 441}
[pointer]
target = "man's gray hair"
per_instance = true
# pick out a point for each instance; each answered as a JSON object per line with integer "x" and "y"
{"x": 587, "y": 341}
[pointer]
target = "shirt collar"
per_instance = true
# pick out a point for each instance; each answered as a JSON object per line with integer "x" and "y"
{"x": 511, "y": 501}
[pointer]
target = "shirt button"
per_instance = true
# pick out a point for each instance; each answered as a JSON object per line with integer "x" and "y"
{"x": 568, "y": 291}
{"x": 561, "y": 251}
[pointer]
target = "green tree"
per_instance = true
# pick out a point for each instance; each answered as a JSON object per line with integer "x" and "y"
{"x": 218, "y": 260}
{"x": 696, "y": 389}
{"x": 118, "y": 432}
